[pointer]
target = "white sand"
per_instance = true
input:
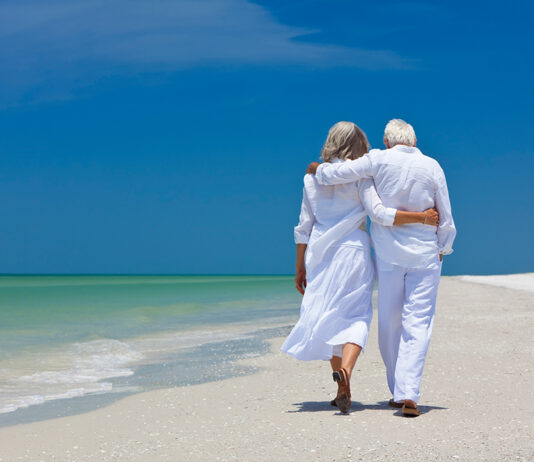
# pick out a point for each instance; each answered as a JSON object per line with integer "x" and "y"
{"x": 523, "y": 281}
{"x": 476, "y": 398}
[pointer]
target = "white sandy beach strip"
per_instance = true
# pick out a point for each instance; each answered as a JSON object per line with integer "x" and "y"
{"x": 523, "y": 281}
{"x": 476, "y": 401}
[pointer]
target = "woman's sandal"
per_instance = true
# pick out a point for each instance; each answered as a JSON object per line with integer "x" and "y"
{"x": 343, "y": 401}
{"x": 333, "y": 402}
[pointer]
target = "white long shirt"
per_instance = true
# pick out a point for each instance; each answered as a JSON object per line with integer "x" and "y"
{"x": 336, "y": 215}
{"x": 405, "y": 179}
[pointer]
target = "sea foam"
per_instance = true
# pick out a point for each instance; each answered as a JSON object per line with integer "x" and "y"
{"x": 77, "y": 370}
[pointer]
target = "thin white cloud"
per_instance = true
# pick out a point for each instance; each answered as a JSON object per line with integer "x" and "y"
{"x": 53, "y": 42}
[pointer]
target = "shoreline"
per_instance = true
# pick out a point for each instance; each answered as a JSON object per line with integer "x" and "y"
{"x": 65, "y": 338}
{"x": 222, "y": 356}
{"x": 475, "y": 401}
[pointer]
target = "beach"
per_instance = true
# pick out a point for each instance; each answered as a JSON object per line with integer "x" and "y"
{"x": 476, "y": 401}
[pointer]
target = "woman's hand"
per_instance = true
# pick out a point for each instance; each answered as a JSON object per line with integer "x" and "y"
{"x": 431, "y": 217}
{"x": 300, "y": 272}
{"x": 300, "y": 280}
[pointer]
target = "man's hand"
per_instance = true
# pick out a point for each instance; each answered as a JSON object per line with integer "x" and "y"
{"x": 312, "y": 168}
{"x": 440, "y": 257}
{"x": 431, "y": 217}
{"x": 300, "y": 280}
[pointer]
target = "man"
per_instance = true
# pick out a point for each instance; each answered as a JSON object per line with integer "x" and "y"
{"x": 408, "y": 258}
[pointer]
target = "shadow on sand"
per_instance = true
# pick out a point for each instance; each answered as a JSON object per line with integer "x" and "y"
{"x": 321, "y": 406}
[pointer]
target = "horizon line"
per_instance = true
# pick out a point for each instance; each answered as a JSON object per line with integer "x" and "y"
{"x": 145, "y": 274}
{"x": 216, "y": 274}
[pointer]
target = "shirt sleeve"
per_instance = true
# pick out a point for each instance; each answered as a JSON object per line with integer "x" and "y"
{"x": 446, "y": 229}
{"x": 345, "y": 172}
{"x": 373, "y": 205}
{"x": 306, "y": 221}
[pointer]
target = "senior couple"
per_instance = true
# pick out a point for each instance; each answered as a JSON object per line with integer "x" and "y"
{"x": 404, "y": 193}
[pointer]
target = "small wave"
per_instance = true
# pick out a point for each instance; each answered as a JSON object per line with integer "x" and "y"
{"x": 85, "y": 368}
{"x": 77, "y": 371}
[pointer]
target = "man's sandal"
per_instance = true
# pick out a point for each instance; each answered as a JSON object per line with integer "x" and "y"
{"x": 410, "y": 409}
{"x": 343, "y": 401}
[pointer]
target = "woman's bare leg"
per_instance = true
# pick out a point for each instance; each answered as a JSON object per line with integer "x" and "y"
{"x": 335, "y": 362}
{"x": 351, "y": 351}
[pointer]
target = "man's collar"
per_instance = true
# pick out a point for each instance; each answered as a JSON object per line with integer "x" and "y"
{"x": 405, "y": 148}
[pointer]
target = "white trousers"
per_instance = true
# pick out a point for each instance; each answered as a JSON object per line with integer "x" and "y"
{"x": 406, "y": 307}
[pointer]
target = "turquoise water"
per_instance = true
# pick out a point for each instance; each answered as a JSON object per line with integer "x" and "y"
{"x": 68, "y": 336}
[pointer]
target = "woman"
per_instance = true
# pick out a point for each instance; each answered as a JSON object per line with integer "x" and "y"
{"x": 334, "y": 270}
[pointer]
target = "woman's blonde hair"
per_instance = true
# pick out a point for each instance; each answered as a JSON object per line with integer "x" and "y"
{"x": 345, "y": 140}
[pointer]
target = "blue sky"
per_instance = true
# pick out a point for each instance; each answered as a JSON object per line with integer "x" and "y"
{"x": 172, "y": 136}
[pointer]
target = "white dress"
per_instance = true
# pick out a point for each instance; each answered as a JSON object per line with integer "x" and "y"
{"x": 336, "y": 307}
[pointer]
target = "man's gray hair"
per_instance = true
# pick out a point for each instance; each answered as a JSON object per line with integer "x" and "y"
{"x": 399, "y": 132}
{"x": 345, "y": 141}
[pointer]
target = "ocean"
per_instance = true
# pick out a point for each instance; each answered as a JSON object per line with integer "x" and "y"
{"x": 64, "y": 337}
